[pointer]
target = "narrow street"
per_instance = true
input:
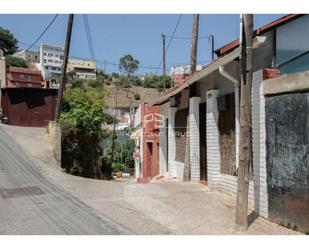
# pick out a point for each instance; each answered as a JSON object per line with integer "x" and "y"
{"x": 75, "y": 205}
{"x": 43, "y": 208}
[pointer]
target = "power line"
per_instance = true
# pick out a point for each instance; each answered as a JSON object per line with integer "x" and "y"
{"x": 44, "y": 31}
{"x": 169, "y": 42}
{"x": 89, "y": 37}
{"x": 189, "y": 38}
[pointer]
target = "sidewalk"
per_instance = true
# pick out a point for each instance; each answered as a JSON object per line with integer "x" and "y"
{"x": 155, "y": 208}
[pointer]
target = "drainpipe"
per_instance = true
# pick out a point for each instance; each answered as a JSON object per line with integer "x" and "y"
{"x": 231, "y": 78}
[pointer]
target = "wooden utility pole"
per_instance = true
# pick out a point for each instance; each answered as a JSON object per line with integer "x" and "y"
{"x": 63, "y": 76}
{"x": 187, "y": 166}
{"x": 245, "y": 150}
{"x": 212, "y": 37}
{"x": 194, "y": 42}
{"x": 164, "y": 63}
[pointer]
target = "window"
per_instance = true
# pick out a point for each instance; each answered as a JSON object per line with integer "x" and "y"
{"x": 54, "y": 68}
{"x": 44, "y": 60}
{"x": 17, "y": 84}
{"x": 50, "y": 54}
{"x": 44, "y": 54}
{"x": 22, "y": 76}
{"x": 292, "y": 45}
{"x": 29, "y": 85}
{"x": 61, "y": 57}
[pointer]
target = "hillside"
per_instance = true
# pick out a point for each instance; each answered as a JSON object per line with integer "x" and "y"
{"x": 126, "y": 96}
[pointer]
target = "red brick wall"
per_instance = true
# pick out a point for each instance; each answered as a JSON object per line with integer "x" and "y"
{"x": 151, "y": 136}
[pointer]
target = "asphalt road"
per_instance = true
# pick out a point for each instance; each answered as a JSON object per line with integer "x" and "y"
{"x": 30, "y": 204}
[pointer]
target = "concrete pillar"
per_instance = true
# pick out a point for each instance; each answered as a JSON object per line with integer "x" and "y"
{"x": 194, "y": 138}
{"x": 171, "y": 141}
{"x": 163, "y": 150}
{"x": 212, "y": 137}
{"x": 259, "y": 145}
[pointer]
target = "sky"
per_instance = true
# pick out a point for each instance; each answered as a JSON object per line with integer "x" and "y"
{"x": 115, "y": 35}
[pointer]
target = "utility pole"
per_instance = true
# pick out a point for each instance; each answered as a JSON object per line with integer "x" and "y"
{"x": 194, "y": 42}
{"x": 212, "y": 37}
{"x": 63, "y": 77}
{"x": 245, "y": 150}
{"x": 187, "y": 167}
{"x": 164, "y": 64}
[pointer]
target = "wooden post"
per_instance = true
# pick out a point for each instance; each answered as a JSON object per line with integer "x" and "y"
{"x": 187, "y": 164}
{"x": 212, "y": 47}
{"x": 245, "y": 150}
{"x": 164, "y": 64}
{"x": 194, "y": 42}
{"x": 63, "y": 77}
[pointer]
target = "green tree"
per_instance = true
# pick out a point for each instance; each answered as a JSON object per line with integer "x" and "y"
{"x": 8, "y": 43}
{"x": 128, "y": 64}
{"x": 16, "y": 62}
{"x": 80, "y": 123}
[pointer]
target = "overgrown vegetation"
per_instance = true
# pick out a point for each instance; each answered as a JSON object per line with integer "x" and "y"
{"x": 16, "y": 62}
{"x": 123, "y": 154}
{"x": 80, "y": 122}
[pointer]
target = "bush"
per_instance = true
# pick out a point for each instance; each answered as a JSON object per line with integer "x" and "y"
{"x": 81, "y": 131}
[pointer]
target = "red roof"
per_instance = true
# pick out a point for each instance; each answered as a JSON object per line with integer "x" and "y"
{"x": 232, "y": 45}
{"x": 24, "y": 70}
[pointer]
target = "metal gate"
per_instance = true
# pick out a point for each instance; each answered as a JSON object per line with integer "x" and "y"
{"x": 287, "y": 157}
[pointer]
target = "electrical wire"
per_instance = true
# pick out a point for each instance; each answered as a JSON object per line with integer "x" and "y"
{"x": 89, "y": 37}
{"x": 40, "y": 36}
{"x": 169, "y": 42}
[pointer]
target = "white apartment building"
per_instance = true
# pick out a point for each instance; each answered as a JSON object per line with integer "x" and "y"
{"x": 84, "y": 69}
{"x": 51, "y": 58}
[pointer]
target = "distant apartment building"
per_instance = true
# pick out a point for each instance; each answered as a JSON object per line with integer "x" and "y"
{"x": 51, "y": 58}
{"x": 180, "y": 73}
{"x": 83, "y": 69}
{"x": 23, "y": 78}
{"x": 30, "y": 56}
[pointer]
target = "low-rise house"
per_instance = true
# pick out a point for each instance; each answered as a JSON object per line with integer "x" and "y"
{"x": 29, "y": 56}
{"x": 23, "y": 77}
{"x": 83, "y": 69}
{"x": 147, "y": 127}
{"x": 202, "y": 115}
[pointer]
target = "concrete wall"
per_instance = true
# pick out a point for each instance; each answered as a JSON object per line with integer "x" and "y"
{"x": 54, "y": 132}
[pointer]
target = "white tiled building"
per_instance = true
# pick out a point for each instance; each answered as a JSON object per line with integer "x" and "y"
{"x": 51, "y": 59}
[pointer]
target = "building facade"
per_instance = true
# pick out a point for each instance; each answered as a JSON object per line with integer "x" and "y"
{"x": 180, "y": 73}
{"x": 30, "y": 56}
{"x": 23, "y": 77}
{"x": 83, "y": 69}
{"x": 203, "y": 131}
{"x": 51, "y": 59}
